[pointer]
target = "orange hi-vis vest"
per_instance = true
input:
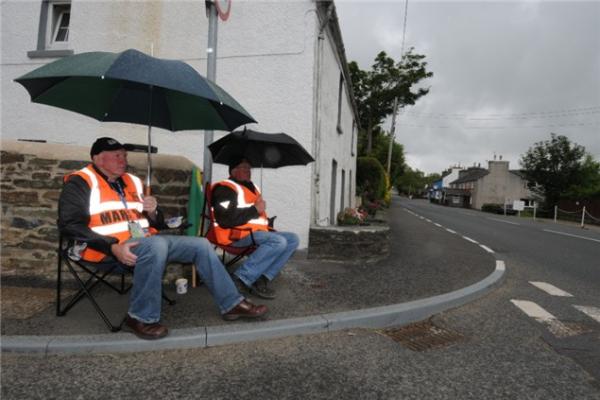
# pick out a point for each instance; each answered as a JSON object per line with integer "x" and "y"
{"x": 108, "y": 214}
{"x": 245, "y": 199}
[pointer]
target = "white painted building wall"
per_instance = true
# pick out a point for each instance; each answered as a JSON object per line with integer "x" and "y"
{"x": 269, "y": 58}
{"x": 454, "y": 173}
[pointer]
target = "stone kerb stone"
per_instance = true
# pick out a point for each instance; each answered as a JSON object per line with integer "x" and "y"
{"x": 31, "y": 176}
{"x": 350, "y": 244}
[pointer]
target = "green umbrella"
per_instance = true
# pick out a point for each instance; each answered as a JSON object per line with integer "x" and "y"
{"x": 134, "y": 87}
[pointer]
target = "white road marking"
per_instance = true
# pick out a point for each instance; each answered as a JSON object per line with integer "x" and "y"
{"x": 500, "y": 266}
{"x": 450, "y": 230}
{"x": 470, "y": 240}
{"x": 593, "y": 312}
{"x": 422, "y": 217}
{"x": 536, "y": 312}
{"x": 501, "y": 220}
{"x": 568, "y": 234}
{"x": 551, "y": 289}
{"x": 428, "y": 220}
{"x": 486, "y": 248}
{"x": 436, "y": 224}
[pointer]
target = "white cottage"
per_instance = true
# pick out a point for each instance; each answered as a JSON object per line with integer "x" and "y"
{"x": 283, "y": 61}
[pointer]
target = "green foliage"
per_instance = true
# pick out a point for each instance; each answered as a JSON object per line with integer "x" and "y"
{"x": 381, "y": 147}
{"x": 414, "y": 182}
{"x": 493, "y": 208}
{"x": 557, "y": 168}
{"x": 351, "y": 216}
{"x": 370, "y": 179}
{"x": 375, "y": 90}
{"x": 589, "y": 186}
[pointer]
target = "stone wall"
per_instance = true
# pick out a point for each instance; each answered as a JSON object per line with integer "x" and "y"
{"x": 350, "y": 244}
{"x": 30, "y": 182}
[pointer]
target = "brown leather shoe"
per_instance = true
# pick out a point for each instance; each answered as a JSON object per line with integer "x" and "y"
{"x": 245, "y": 310}
{"x": 146, "y": 331}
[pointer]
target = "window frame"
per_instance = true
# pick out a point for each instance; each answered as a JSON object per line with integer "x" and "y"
{"x": 338, "y": 126}
{"x": 52, "y": 13}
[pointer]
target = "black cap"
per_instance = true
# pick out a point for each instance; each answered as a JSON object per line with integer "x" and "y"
{"x": 235, "y": 160}
{"x": 106, "y": 144}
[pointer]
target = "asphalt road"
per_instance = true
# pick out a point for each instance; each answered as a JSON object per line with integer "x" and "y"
{"x": 497, "y": 351}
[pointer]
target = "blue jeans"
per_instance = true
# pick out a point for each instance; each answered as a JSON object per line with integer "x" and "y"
{"x": 155, "y": 252}
{"x": 274, "y": 249}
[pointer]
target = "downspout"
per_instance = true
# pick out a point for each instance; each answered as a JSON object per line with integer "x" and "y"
{"x": 316, "y": 147}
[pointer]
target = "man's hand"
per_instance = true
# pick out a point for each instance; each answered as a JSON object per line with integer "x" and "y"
{"x": 150, "y": 204}
{"x": 260, "y": 204}
{"x": 123, "y": 252}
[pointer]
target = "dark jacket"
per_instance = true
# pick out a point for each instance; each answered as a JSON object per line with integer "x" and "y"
{"x": 231, "y": 216}
{"x": 74, "y": 217}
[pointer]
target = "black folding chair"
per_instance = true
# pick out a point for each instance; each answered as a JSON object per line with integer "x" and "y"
{"x": 94, "y": 274}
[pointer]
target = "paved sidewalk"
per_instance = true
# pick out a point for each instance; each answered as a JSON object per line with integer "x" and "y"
{"x": 429, "y": 270}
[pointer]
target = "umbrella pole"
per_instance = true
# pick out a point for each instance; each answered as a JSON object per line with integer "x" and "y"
{"x": 261, "y": 172}
{"x": 148, "y": 190}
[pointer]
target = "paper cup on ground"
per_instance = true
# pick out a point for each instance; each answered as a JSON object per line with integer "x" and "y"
{"x": 182, "y": 285}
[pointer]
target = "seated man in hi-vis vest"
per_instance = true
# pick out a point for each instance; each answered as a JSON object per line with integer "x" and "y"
{"x": 239, "y": 208}
{"x": 105, "y": 206}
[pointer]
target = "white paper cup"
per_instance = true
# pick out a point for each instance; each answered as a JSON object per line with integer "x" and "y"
{"x": 182, "y": 285}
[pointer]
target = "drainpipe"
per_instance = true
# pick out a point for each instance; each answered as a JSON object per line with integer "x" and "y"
{"x": 316, "y": 146}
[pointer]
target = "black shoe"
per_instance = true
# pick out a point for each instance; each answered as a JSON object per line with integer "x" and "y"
{"x": 261, "y": 289}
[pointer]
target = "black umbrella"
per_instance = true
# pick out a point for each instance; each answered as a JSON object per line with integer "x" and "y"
{"x": 134, "y": 87}
{"x": 265, "y": 150}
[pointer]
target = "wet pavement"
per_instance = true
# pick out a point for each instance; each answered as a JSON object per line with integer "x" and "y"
{"x": 425, "y": 261}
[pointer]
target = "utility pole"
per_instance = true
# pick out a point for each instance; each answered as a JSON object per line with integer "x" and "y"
{"x": 392, "y": 130}
{"x": 211, "y": 75}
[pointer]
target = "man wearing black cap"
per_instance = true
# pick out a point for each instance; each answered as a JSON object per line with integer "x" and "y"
{"x": 239, "y": 209}
{"x": 106, "y": 206}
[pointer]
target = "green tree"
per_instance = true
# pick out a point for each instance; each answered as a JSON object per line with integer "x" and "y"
{"x": 589, "y": 186}
{"x": 552, "y": 167}
{"x": 370, "y": 179}
{"x": 414, "y": 182}
{"x": 381, "y": 145}
{"x": 375, "y": 90}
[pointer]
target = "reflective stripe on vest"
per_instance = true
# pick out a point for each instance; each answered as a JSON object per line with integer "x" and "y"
{"x": 108, "y": 215}
{"x": 245, "y": 199}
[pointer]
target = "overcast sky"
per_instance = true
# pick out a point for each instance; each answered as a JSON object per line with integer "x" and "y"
{"x": 506, "y": 74}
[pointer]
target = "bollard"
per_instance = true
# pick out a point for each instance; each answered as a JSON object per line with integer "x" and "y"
{"x": 555, "y": 212}
{"x": 583, "y": 217}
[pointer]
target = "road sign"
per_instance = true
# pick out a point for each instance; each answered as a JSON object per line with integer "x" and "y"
{"x": 518, "y": 205}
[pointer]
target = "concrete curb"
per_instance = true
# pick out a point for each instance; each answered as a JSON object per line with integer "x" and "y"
{"x": 377, "y": 317}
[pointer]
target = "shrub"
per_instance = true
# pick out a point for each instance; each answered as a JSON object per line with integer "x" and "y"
{"x": 371, "y": 207}
{"x": 370, "y": 179}
{"x": 351, "y": 216}
{"x": 493, "y": 208}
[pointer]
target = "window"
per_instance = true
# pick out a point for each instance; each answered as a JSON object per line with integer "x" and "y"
{"x": 53, "y": 33}
{"x": 339, "y": 110}
{"x": 353, "y": 136}
{"x": 60, "y": 23}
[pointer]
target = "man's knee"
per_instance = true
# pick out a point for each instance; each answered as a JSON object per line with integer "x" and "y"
{"x": 153, "y": 246}
{"x": 293, "y": 239}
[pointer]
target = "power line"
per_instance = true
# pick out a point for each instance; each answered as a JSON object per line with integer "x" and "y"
{"x": 503, "y": 127}
{"x": 515, "y": 116}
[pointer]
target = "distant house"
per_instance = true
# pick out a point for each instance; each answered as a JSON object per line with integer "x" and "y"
{"x": 477, "y": 186}
{"x": 437, "y": 191}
